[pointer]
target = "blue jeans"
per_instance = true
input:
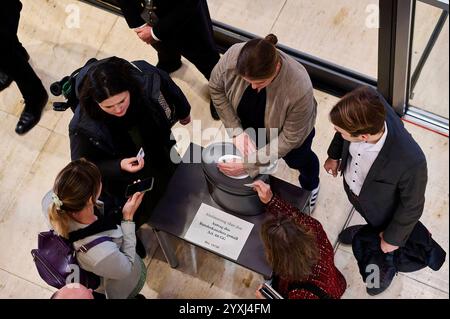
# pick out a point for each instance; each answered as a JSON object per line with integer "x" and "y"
{"x": 306, "y": 162}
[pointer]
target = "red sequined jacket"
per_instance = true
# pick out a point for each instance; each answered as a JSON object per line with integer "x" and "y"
{"x": 324, "y": 275}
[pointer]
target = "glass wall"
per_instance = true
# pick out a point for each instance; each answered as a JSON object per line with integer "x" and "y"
{"x": 344, "y": 32}
{"x": 429, "y": 85}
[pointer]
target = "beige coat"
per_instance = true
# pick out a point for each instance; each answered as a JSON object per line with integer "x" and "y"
{"x": 290, "y": 105}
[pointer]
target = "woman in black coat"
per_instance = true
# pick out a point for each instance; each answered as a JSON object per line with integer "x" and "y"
{"x": 125, "y": 107}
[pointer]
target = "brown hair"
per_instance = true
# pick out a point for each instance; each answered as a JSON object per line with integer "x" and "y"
{"x": 291, "y": 249}
{"x": 107, "y": 78}
{"x": 258, "y": 58}
{"x": 360, "y": 111}
{"x": 74, "y": 186}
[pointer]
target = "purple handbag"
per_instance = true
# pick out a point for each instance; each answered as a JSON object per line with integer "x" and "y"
{"x": 56, "y": 261}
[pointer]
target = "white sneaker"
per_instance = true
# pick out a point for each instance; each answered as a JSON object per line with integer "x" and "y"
{"x": 313, "y": 199}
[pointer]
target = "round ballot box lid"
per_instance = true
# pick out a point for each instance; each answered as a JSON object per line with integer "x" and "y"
{"x": 210, "y": 158}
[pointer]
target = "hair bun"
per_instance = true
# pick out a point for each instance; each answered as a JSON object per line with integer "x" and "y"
{"x": 272, "y": 38}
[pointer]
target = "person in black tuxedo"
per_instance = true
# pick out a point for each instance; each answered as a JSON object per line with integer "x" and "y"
{"x": 177, "y": 28}
{"x": 14, "y": 66}
{"x": 384, "y": 170}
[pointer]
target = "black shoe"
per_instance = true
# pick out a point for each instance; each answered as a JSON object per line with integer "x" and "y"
{"x": 169, "y": 68}
{"x": 5, "y": 81}
{"x": 387, "y": 273}
{"x": 31, "y": 115}
{"x": 346, "y": 236}
{"x": 139, "y": 296}
{"x": 213, "y": 110}
{"x": 140, "y": 249}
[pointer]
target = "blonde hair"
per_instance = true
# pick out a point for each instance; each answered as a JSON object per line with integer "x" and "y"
{"x": 75, "y": 185}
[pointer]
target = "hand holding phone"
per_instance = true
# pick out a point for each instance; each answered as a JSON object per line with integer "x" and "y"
{"x": 132, "y": 204}
{"x": 140, "y": 186}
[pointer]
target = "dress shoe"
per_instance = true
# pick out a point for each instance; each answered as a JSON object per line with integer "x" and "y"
{"x": 213, "y": 111}
{"x": 169, "y": 67}
{"x": 346, "y": 236}
{"x": 31, "y": 114}
{"x": 5, "y": 81}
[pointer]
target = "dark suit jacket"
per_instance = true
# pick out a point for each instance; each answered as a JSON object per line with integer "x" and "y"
{"x": 174, "y": 15}
{"x": 392, "y": 196}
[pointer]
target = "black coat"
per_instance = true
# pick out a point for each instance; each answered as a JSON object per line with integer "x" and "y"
{"x": 175, "y": 16}
{"x": 94, "y": 139}
{"x": 393, "y": 194}
{"x": 9, "y": 21}
{"x": 184, "y": 28}
{"x": 419, "y": 251}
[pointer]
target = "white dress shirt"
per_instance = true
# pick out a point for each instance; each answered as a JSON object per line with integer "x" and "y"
{"x": 363, "y": 155}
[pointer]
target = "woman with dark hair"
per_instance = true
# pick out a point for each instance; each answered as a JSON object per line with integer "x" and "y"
{"x": 298, "y": 250}
{"x": 124, "y": 108}
{"x": 75, "y": 216}
{"x": 255, "y": 86}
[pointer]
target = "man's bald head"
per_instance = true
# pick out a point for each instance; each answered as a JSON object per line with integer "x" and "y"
{"x": 73, "y": 291}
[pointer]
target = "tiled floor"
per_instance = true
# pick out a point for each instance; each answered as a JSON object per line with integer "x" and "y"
{"x": 28, "y": 165}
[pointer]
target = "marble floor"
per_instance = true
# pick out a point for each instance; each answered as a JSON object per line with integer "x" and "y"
{"x": 29, "y": 164}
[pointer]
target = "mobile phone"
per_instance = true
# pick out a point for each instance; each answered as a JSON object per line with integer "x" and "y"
{"x": 267, "y": 291}
{"x": 141, "y": 186}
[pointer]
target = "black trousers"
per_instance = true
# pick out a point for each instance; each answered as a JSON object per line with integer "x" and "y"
{"x": 306, "y": 161}
{"x": 354, "y": 200}
{"x": 13, "y": 56}
{"x": 196, "y": 44}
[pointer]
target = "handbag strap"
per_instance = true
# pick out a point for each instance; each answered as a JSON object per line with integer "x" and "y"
{"x": 85, "y": 248}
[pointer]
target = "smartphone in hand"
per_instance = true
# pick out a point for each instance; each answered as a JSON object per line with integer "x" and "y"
{"x": 141, "y": 186}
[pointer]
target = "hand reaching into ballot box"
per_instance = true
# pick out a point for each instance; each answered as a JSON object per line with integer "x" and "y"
{"x": 234, "y": 167}
{"x": 244, "y": 144}
{"x": 264, "y": 192}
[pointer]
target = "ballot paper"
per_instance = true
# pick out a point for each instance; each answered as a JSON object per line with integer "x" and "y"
{"x": 140, "y": 155}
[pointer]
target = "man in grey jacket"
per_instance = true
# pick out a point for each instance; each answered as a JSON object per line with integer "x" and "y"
{"x": 384, "y": 169}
